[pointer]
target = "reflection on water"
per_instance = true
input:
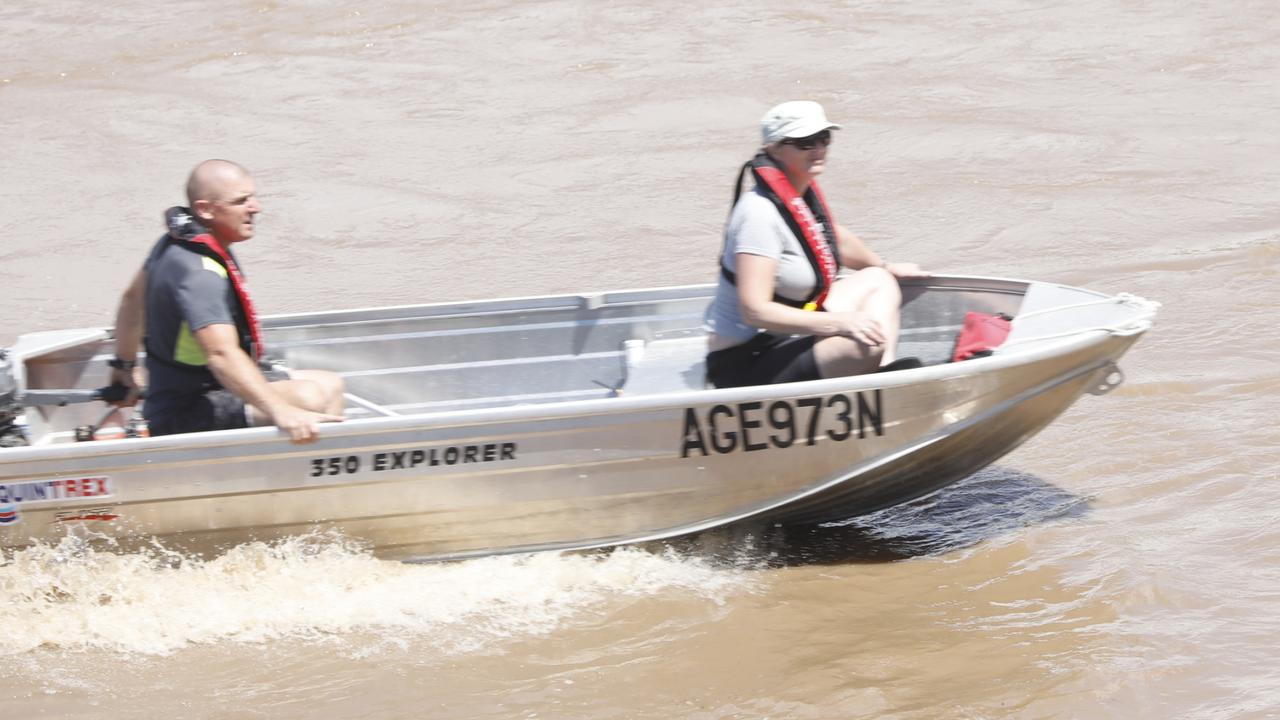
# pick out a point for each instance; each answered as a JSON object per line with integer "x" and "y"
{"x": 987, "y": 504}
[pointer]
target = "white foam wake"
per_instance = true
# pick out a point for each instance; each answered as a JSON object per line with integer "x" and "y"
{"x": 67, "y": 596}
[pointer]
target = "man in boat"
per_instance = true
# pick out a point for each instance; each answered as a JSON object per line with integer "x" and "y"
{"x": 203, "y": 341}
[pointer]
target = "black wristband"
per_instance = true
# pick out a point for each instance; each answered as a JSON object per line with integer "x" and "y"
{"x": 119, "y": 364}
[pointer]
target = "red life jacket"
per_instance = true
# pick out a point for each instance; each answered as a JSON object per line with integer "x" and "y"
{"x": 809, "y": 219}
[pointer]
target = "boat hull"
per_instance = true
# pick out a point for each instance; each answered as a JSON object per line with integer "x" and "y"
{"x": 620, "y": 468}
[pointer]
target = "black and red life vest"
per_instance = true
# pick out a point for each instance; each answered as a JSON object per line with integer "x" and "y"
{"x": 809, "y": 219}
{"x": 186, "y": 231}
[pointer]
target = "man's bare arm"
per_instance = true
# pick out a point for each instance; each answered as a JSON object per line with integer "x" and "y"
{"x": 130, "y": 325}
{"x": 237, "y": 372}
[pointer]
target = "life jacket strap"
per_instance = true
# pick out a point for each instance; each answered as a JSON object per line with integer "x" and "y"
{"x": 728, "y": 274}
{"x": 820, "y": 251}
{"x": 242, "y": 292}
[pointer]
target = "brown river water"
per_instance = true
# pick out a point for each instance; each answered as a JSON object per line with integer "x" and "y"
{"x": 1125, "y": 563}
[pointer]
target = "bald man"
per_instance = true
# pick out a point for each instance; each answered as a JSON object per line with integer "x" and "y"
{"x": 202, "y": 337}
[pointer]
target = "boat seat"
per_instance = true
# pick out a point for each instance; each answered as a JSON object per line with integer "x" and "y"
{"x": 679, "y": 364}
{"x": 665, "y": 366}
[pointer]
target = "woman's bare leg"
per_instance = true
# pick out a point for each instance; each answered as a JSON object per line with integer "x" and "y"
{"x": 873, "y": 291}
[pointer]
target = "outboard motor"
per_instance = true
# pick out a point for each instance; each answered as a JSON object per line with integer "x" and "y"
{"x": 10, "y": 433}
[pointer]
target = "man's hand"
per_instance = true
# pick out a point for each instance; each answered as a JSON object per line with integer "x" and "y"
{"x": 128, "y": 379}
{"x": 303, "y": 426}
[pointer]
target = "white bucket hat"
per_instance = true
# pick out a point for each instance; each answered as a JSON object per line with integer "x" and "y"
{"x": 794, "y": 119}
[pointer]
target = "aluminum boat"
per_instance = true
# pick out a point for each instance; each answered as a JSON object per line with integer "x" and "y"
{"x": 557, "y": 422}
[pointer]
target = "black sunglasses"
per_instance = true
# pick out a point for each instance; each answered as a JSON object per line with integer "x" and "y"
{"x": 808, "y": 143}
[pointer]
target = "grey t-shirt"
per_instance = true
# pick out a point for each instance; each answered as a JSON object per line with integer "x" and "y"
{"x": 186, "y": 291}
{"x": 756, "y": 228}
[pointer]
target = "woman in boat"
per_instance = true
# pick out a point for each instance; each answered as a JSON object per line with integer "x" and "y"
{"x": 800, "y": 297}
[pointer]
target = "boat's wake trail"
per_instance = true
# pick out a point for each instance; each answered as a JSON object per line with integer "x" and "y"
{"x": 318, "y": 587}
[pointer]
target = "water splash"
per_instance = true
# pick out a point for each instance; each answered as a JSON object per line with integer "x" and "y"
{"x": 69, "y": 596}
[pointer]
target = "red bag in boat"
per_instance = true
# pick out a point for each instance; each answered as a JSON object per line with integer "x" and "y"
{"x": 982, "y": 333}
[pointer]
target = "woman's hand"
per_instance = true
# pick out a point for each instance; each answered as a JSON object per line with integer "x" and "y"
{"x": 906, "y": 270}
{"x": 860, "y": 326}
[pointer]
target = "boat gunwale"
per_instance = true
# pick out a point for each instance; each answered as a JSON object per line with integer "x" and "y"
{"x": 575, "y": 301}
{"x": 1036, "y": 351}
{"x": 539, "y": 412}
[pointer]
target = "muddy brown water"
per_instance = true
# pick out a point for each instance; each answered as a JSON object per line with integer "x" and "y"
{"x": 1124, "y": 563}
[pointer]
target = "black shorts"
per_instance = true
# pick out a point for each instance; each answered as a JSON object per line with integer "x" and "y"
{"x": 763, "y": 360}
{"x": 213, "y": 410}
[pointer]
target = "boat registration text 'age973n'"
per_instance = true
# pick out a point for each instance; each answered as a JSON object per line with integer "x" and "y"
{"x": 755, "y": 425}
